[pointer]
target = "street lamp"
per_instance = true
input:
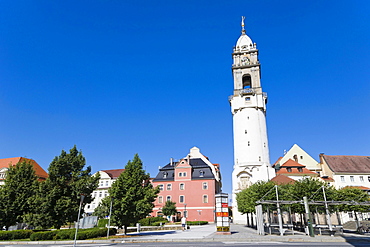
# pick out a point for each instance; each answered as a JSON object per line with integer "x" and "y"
{"x": 110, "y": 214}
{"x": 78, "y": 218}
{"x": 199, "y": 212}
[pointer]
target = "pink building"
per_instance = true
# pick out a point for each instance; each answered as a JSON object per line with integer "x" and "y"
{"x": 192, "y": 183}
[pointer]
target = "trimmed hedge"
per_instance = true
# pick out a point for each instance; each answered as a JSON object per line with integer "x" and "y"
{"x": 103, "y": 222}
{"x": 70, "y": 234}
{"x": 47, "y": 235}
{"x": 197, "y": 222}
{"x": 152, "y": 221}
{"x": 16, "y": 234}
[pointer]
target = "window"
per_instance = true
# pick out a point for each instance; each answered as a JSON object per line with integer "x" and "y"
{"x": 101, "y": 183}
{"x": 165, "y": 174}
{"x": 259, "y": 158}
{"x": 300, "y": 169}
{"x": 289, "y": 169}
{"x": 100, "y": 194}
{"x": 249, "y": 143}
{"x": 205, "y": 198}
{"x": 168, "y": 198}
{"x": 350, "y": 214}
{"x": 182, "y": 199}
{"x": 184, "y": 174}
{"x": 95, "y": 194}
{"x": 182, "y": 186}
{"x": 205, "y": 186}
{"x": 106, "y": 183}
{"x": 352, "y": 178}
{"x": 247, "y": 99}
{"x": 201, "y": 173}
{"x": 160, "y": 187}
{"x": 301, "y": 157}
{"x": 245, "y": 132}
{"x": 180, "y": 174}
{"x": 160, "y": 199}
{"x": 368, "y": 178}
{"x": 362, "y": 179}
{"x": 105, "y": 194}
{"x": 342, "y": 178}
{"x": 169, "y": 186}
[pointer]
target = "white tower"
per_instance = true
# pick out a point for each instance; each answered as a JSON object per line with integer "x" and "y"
{"x": 248, "y": 107}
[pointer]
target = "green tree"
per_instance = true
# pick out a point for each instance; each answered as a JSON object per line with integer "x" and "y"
{"x": 102, "y": 210}
{"x": 169, "y": 208}
{"x": 133, "y": 195}
{"x": 246, "y": 199}
{"x": 20, "y": 184}
{"x": 58, "y": 199}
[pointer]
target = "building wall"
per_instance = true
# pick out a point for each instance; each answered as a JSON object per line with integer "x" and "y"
{"x": 193, "y": 193}
{"x": 105, "y": 182}
{"x": 343, "y": 180}
{"x": 303, "y": 158}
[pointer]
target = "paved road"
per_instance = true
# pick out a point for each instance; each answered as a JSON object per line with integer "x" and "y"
{"x": 207, "y": 244}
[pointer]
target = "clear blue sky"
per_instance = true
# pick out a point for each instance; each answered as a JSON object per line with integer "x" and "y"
{"x": 153, "y": 77}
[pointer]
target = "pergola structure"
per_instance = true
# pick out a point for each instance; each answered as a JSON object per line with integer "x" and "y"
{"x": 332, "y": 229}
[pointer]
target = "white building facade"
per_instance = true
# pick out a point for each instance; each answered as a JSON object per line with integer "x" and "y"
{"x": 248, "y": 107}
{"x": 107, "y": 178}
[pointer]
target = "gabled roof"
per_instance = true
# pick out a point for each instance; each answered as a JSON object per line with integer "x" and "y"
{"x": 113, "y": 173}
{"x": 291, "y": 163}
{"x": 282, "y": 179}
{"x": 348, "y": 163}
{"x": 292, "y": 168}
{"x": 40, "y": 173}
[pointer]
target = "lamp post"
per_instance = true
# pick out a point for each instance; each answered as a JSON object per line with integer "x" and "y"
{"x": 199, "y": 212}
{"x": 110, "y": 214}
{"x": 78, "y": 218}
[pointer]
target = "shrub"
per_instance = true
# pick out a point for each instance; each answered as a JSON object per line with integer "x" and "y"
{"x": 102, "y": 222}
{"x": 151, "y": 221}
{"x": 48, "y": 235}
{"x": 197, "y": 222}
{"x": 16, "y": 234}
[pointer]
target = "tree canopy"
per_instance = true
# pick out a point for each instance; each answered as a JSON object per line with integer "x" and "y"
{"x": 309, "y": 187}
{"x": 169, "y": 208}
{"x": 20, "y": 184}
{"x": 58, "y": 198}
{"x": 133, "y": 195}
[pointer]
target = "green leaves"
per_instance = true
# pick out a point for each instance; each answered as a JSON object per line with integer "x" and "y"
{"x": 134, "y": 195}
{"x": 58, "y": 198}
{"x": 20, "y": 184}
{"x": 169, "y": 208}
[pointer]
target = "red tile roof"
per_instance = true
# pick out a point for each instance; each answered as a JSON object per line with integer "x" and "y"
{"x": 40, "y": 173}
{"x": 348, "y": 164}
{"x": 114, "y": 173}
{"x": 296, "y": 169}
{"x": 358, "y": 187}
{"x": 282, "y": 179}
{"x": 327, "y": 179}
{"x": 277, "y": 162}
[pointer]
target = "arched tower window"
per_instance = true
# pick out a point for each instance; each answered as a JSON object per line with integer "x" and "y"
{"x": 247, "y": 81}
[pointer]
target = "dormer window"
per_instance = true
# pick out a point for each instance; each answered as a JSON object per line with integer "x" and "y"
{"x": 165, "y": 174}
{"x": 300, "y": 169}
{"x": 289, "y": 169}
{"x": 201, "y": 173}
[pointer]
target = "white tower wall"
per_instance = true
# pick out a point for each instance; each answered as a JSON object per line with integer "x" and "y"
{"x": 248, "y": 106}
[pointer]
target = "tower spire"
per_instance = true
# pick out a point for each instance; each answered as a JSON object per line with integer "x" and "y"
{"x": 243, "y": 29}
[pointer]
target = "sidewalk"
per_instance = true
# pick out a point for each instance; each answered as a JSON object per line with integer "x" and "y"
{"x": 207, "y": 233}
{"x": 240, "y": 233}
